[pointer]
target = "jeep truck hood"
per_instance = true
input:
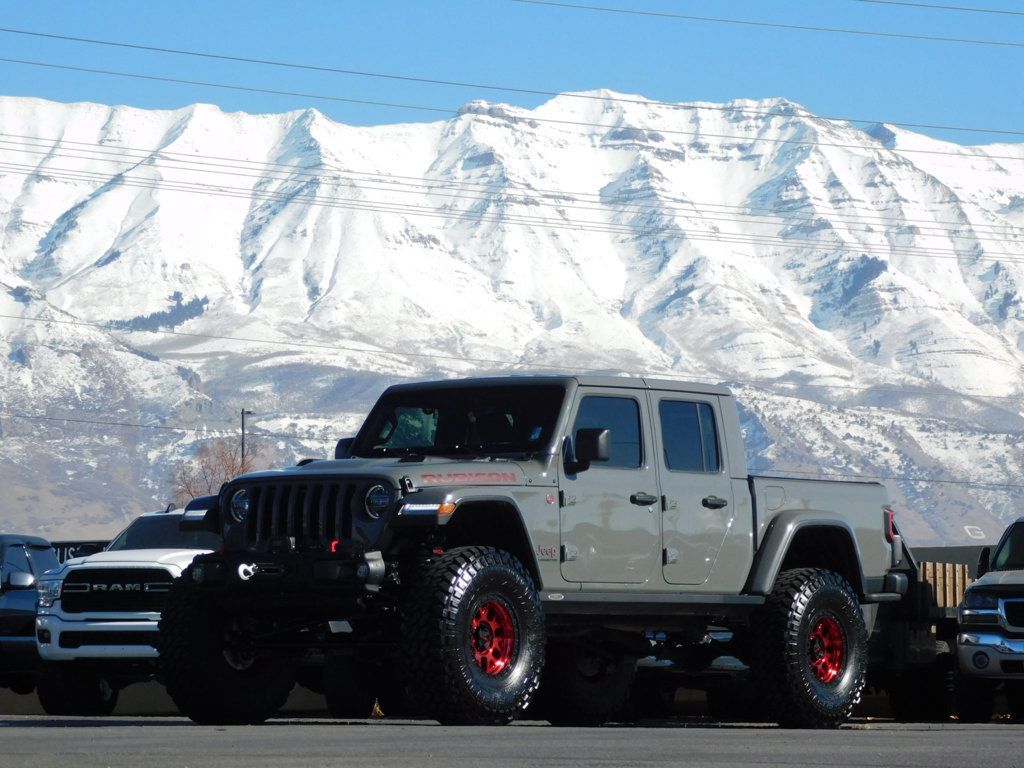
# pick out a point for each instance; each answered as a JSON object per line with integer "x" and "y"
{"x": 430, "y": 471}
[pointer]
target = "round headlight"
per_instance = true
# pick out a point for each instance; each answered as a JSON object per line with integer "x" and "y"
{"x": 378, "y": 499}
{"x": 240, "y": 506}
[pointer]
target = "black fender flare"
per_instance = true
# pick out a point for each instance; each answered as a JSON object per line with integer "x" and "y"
{"x": 783, "y": 530}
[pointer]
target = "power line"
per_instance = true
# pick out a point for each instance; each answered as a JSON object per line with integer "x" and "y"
{"x": 816, "y": 474}
{"x": 762, "y": 384}
{"x": 223, "y": 86}
{"x": 777, "y": 470}
{"x": 934, "y": 6}
{"x": 896, "y": 478}
{"x": 406, "y": 188}
{"x": 332, "y": 172}
{"x": 162, "y": 427}
{"x": 964, "y": 154}
{"x": 479, "y": 86}
{"x": 775, "y": 25}
{"x": 561, "y": 224}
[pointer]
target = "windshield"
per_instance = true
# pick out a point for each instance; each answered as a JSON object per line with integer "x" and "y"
{"x": 1010, "y": 555}
{"x": 484, "y": 420}
{"x": 162, "y": 533}
{"x": 43, "y": 558}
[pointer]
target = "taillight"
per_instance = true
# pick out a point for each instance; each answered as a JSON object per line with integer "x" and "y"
{"x": 890, "y": 524}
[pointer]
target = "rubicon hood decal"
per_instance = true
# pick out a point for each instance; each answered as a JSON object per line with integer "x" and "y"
{"x": 458, "y": 478}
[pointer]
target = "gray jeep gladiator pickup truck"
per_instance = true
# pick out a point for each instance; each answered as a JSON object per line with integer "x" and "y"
{"x": 483, "y": 544}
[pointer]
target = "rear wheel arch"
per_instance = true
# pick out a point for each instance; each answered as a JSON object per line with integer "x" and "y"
{"x": 808, "y": 544}
{"x": 493, "y": 522}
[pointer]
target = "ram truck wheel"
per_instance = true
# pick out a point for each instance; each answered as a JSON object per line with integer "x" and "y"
{"x": 66, "y": 690}
{"x": 211, "y": 679}
{"x": 585, "y": 686}
{"x": 473, "y": 634}
{"x": 810, "y": 649}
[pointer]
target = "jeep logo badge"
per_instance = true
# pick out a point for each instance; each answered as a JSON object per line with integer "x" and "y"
{"x": 246, "y": 571}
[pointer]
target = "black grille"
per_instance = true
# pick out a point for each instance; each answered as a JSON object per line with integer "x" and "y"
{"x": 1014, "y": 612}
{"x": 78, "y": 639}
{"x": 311, "y": 515}
{"x": 115, "y": 589}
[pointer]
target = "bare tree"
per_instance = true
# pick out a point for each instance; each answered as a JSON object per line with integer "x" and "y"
{"x": 214, "y": 464}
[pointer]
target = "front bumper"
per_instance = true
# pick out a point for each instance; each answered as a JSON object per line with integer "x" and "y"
{"x": 991, "y": 655}
{"x": 287, "y": 574}
{"x": 96, "y": 639}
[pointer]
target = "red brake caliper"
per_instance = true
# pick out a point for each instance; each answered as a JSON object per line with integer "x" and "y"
{"x": 493, "y": 637}
{"x": 825, "y": 649}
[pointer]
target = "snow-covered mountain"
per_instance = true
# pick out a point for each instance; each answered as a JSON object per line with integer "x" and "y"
{"x": 860, "y": 290}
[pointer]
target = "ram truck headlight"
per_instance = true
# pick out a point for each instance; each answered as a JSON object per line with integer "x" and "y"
{"x": 976, "y": 599}
{"x": 378, "y": 500}
{"x": 48, "y": 591}
{"x": 240, "y": 505}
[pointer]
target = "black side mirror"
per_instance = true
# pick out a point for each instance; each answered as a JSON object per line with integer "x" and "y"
{"x": 341, "y": 450}
{"x": 983, "y": 563}
{"x": 210, "y": 520}
{"x": 591, "y": 444}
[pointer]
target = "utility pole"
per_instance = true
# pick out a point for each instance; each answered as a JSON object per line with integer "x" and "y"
{"x": 245, "y": 413}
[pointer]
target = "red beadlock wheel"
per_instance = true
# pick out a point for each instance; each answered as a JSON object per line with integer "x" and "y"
{"x": 826, "y": 649}
{"x": 493, "y": 637}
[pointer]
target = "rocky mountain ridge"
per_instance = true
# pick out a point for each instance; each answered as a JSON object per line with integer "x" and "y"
{"x": 859, "y": 289}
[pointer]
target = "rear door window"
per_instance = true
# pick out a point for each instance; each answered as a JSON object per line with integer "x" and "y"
{"x": 689, "y": 436}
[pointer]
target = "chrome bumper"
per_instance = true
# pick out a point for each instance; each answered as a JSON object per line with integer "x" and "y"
{"x": 987, "y": 654}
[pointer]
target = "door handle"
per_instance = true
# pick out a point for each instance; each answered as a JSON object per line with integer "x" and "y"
{"x": 713, "y": 502}
{"x": 642, "y": 499}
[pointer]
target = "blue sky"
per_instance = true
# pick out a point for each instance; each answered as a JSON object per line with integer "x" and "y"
{"x": 553, "y": 49}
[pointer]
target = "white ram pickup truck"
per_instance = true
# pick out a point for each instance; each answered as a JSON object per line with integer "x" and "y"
{"x": 96, "y": 625}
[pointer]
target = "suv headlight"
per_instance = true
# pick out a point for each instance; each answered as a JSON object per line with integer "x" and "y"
{"x": 978, "y": 599}
{"x": 48, "y": 591}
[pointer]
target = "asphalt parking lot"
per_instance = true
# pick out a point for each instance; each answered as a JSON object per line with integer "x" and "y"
{"x": 144, "y": 731}
{"x": 158, "y": 742}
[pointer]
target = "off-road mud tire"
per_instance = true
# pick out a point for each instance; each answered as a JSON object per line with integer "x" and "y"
{"x": 804, "y": 604}
{"x": 66, "y": 690}
{"x": 585, "y": 686}
{"x": 199, "y": 679}
{"x": 445, "y": 679}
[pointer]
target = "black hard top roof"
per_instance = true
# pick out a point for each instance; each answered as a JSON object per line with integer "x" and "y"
{"x": 20, "y": 538}
{"x": 588, "y": 380}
